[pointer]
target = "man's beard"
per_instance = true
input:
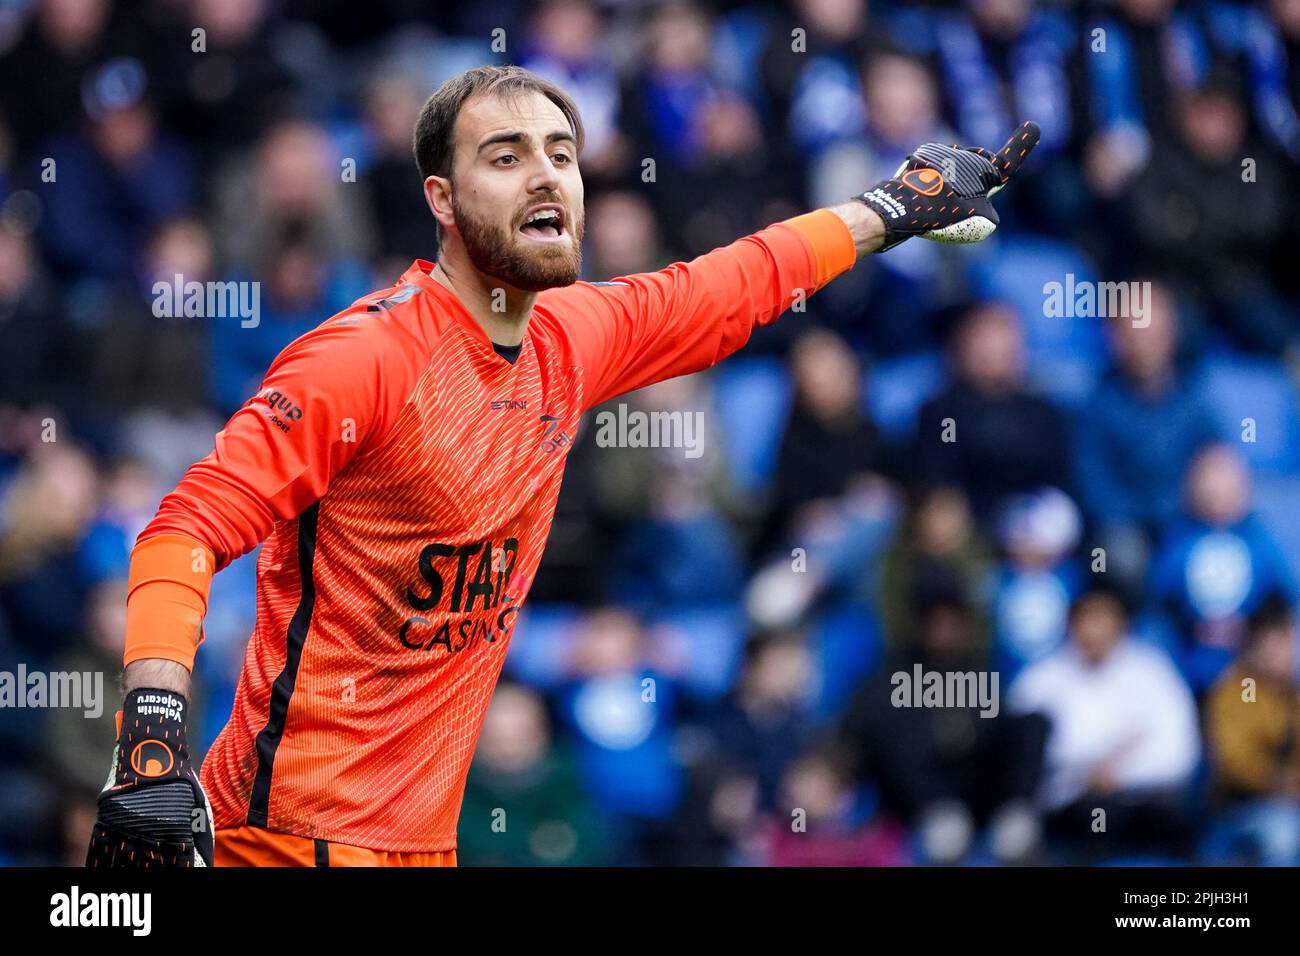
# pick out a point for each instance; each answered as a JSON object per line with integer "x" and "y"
{"x": 502, "y": 254}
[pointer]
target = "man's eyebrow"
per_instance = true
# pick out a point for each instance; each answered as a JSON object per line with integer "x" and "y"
{"x": 518, "y": 136}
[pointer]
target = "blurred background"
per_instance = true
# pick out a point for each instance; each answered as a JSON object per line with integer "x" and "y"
{"x": 1114, "y": 531}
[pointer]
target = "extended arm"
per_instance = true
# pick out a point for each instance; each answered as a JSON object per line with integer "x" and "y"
{"x": 274, "y": 458}
{"x": 864, "y": 225}
{"x": 639, "y": 329}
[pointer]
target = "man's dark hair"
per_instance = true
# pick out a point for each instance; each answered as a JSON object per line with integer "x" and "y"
{"x": 1097, "y": 590}
{"x": 433, "y": 142}
{"x": 1274, "y": 613}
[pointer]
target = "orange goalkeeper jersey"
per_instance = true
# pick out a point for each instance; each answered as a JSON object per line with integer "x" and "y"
{"x": 403, "y": 476}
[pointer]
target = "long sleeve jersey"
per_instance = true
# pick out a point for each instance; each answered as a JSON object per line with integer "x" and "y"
{"x": 403, "y": 476}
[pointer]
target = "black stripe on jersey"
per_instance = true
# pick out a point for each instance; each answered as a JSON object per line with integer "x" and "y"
{"x": 322, "y": 853}
{"x": 269, "y": 739}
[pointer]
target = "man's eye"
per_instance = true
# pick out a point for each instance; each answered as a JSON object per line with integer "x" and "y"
{"x": 501, "y": 160}
{"x": 562, "y": 159}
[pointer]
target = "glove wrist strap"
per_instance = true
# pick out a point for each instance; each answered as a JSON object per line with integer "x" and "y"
{"x": 164, "y": 708}
{"x": 888, "y": 209}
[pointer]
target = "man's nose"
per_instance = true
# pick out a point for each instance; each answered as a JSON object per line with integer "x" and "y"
{"x": 544, "y": 175}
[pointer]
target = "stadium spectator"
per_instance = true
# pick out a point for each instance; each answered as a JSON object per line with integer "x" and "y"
{"x": 64, "y": 40}
{"x": 45, "y": 511}
{"x": 621, "y": 715}
{"x": 956, "y": 767}
{"x": 1252, "y": 718}
{"x": 117, "y": 178}
{"x": 80, "y": 740}
{"x": 221, "y": 100}
{"x": 1036, "y": 578}
{"x": 827, "y": 426}
{"x": 39, "y": 362}
{"x": 393, "y": 102}
{"x": 1216, "y": 241}
{"x": 764, "y": 724}
{"x": 143, "y": 354}
{"x": 887, "y": 308}
{"x": 677, "y": 548}
{"x": 664, "y": 104}
{"x": 939, "y": 538}
{"x": 524, "y": 804}
{"x": 998, "y": 59}
{"x": 1124, "y": 739}
{"x": 1136, "y": 61}
{"x": 811, "y": 78}
{"x": 291, "y": 182}
{"x": 564, "y": 46}
{"x": 986, "y": 432}
{"x": 303, "y": 281}
{"x": 819, "y": 822}
{"x": 1136, "y": 435}
{"x": 1215, "y": 565}
{"x": 623, "y": 236}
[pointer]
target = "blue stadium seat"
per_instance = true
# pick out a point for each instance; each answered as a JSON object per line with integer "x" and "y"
{"x": 751, "y": 397}
{"x": 1277, "y": 502}
{"x": 713, "y": 638}
{"x": 1239, "y": 387}
{"x": 741, "y": 36}
{"x": 895, "y": 390}
{"x": 846, "y": 643}
{"x": 1066, "y": 355}
{"x": 539, "y": 648}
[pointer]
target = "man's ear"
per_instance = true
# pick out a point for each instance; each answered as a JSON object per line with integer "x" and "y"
{"x": 437, "y": 193}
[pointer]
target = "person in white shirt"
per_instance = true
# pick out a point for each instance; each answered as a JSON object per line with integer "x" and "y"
{"x": 1124, "y": 736}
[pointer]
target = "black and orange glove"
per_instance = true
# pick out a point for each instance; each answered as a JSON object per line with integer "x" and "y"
{"x": 942, "y": 192}
{"x": 152, "y": 811}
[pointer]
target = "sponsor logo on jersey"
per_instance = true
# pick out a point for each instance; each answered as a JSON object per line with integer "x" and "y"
{"x": 462, "y": 590}
{"x": 279, "y": 408}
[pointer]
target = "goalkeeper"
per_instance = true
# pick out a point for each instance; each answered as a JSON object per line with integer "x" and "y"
{"x": 400, "y": 466}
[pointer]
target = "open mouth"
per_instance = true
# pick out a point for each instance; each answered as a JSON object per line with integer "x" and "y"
{"x": 545, "y": 223}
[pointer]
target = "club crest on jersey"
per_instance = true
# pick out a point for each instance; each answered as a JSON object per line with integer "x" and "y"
{"x": 553, "y": 437}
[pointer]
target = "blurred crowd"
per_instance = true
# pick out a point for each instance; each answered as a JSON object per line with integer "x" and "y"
{"x": 926, "y": 467}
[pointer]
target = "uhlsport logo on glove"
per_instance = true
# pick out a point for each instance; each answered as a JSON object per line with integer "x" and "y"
{"x": 941, "y": 193}
{"x": 927, "y": 182}
{"x": 152, "y": 811}
{"x": 152, "y": 758}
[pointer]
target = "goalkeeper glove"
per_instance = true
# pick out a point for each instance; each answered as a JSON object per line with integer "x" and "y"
{"x": 152, "y": 811}
{"x": 942, "y": 192}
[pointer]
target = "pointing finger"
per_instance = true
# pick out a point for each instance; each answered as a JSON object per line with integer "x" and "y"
{"x": 1012, "y": 156}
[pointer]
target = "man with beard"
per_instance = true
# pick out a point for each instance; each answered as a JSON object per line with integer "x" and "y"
{"x": 401, "y": 464}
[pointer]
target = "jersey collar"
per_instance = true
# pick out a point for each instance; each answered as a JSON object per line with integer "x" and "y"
{"x": 419, "y": 275}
